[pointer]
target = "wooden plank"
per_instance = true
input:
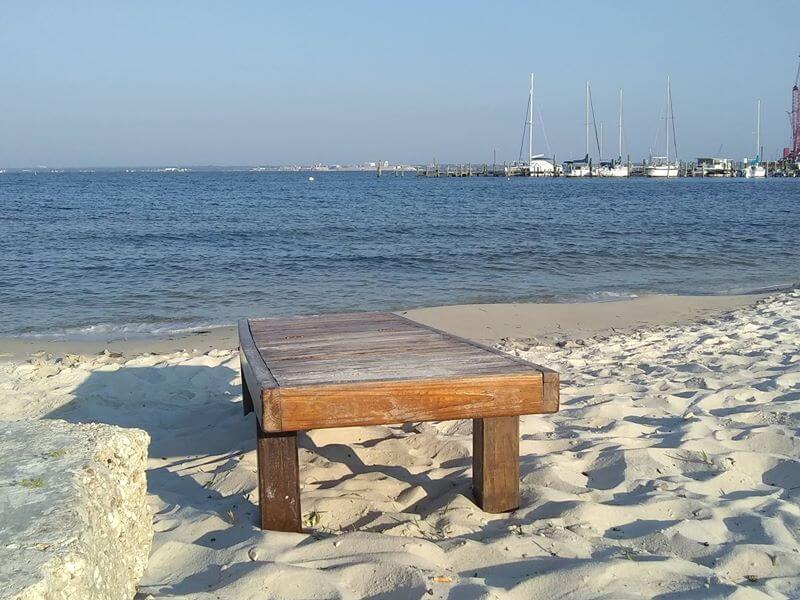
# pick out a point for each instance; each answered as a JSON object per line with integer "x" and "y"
{"x": 372, "y": 374}
{"x": 325, "y": 318}
{"x": 407, "y": 360}
{"x": 381, "y": 350}
{"x": 322, "y": 319}
{"x": 365, "y": 351}
{"x": 261, "y": 385}
{"x": 333, "y": 339}
{"x": 457, "y": 362}
{"x": 350, "y": 344}
{"x": 388, "y": 326}
{"x": 357, "y": 351}
{"x": 310, "y": 320}
{"x": 247, "y": 399}
{"x": 495, "y": 463}
{"x": 483, "y": 347}
{"x": 407, "y": 367}
{"x": 551, "y": 392}
{"x": 348, "y": 341}
{"x": 374, "y": 403}
{"x": 284, "y": 336}
{"x": 313, "y": 326}
{"x": 278, "y": 481}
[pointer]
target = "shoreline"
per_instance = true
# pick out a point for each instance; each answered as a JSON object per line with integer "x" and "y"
{"x": 486, "y": 323}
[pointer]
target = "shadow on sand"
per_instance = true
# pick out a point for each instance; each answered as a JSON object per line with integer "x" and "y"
{"x": 193, "y": 415}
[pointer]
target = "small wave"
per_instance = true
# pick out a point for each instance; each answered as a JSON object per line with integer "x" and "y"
{"x": 124, "y": 331}
{"x": 598, "y": 296}
{"x": 770, "y": 289}
{"x": 604, "y": 296}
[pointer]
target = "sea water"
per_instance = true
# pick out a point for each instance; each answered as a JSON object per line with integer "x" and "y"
{"x": 115, "y": 253}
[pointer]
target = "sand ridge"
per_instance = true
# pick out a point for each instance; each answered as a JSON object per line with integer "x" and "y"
{"x": 672, "y": 470}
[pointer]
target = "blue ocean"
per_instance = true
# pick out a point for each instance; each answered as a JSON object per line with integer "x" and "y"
{"x": 116, "y": 254}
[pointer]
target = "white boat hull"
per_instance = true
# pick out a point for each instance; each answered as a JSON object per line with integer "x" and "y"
{"x": 615, "y": 171}
{"x": 582, "y": 171}
{"x": 661, "y": 171}
{"x": 755, "y": 171}
{"x": 542, "y": 168}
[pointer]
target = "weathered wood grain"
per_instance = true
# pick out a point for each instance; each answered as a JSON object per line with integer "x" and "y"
{"x": 375, "y": 368}
{"x": 379, "y": 347}
{"x": 551, "y": 393}
{"x": 346, "y": 405}
{"x": 495, "y": 463}
{"x": 258, "y": 380}
{"x": 278, "y": 481}
{"x": 369, "y": 368}
{"x": 408, "y": 367}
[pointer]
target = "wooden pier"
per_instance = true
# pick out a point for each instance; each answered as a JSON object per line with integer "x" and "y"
{"x": 482, "y": 170}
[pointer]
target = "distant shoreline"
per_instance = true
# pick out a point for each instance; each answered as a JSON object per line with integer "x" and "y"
{"x": 177, "y": 168}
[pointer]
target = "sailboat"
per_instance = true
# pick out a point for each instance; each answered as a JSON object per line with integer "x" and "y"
{"x": 617, "y": 168}
{"x": 753, "y": 168}
{"x": 580, "y": 167}
{"x": 538, "y": 165}
{"x": 660, "y": 166}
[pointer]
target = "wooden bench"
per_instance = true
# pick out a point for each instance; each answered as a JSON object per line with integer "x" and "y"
{"x": 343, "y": 370}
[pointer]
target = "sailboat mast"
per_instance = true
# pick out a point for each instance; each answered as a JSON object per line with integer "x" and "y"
{"x": 620, "y": 127}
{"x": 587, "y": 118}
{"x": 666, "y": 121}
{"x": 758, "y": 131}
{"x": 530, "y": 129}
{"x": 600, "y": 144}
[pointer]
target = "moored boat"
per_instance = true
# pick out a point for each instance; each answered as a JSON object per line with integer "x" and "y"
{"x": 754, "y": 168}
{"x": 578, "y": 168}
{"x": 538, "y": 165}
{"x": 660, "y": 166}
{"x": 581, "y": 167}
{"x": 616, "y": 168}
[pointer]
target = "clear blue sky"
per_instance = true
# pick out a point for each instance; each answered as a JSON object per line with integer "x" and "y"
{"x": 154, "y": 83}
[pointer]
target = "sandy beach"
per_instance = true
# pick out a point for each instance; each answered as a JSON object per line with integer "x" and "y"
{"x": 671, "y": 471}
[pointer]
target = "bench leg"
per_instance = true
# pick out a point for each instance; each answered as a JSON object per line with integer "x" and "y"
{"x": 278, "y": 480}
{"x": 247, "y": 399}
{"x": 495, "y": 463}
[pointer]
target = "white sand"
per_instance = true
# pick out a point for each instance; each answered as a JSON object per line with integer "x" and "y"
{"x": 672, "y": 470}
{"x": 489, "y": 323}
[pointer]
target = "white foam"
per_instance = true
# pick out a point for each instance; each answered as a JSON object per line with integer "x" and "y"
{"x": 114, "y": 331}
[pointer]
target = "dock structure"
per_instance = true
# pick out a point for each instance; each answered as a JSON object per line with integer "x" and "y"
{"x": 701, "y": 167}
{"x": 513, "y": 169}
{"x": 461, "y": 170}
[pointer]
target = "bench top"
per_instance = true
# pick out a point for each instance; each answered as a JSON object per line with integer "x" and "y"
{"x": 337, "y": 370}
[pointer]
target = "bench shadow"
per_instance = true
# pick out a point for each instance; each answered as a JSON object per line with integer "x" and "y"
{"x": 438, "y": 492}
{"x": 193, "y": 415}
